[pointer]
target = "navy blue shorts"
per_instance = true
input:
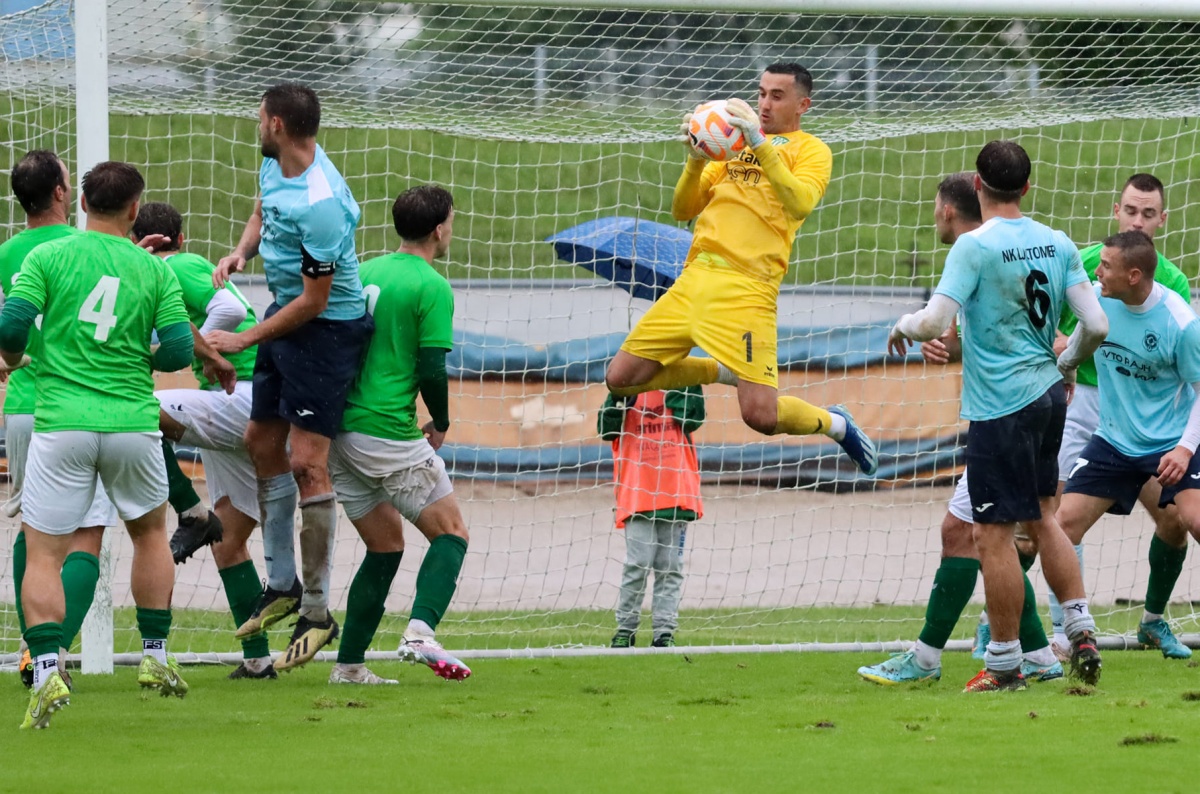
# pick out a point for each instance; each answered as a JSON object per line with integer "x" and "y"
{"x": 1106, "y": 472}
{"x": 1013, "y": 460}
{"x": 305, "y": 376}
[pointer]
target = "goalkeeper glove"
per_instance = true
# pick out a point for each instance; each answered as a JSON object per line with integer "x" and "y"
{"x": 686, "y": 129}
{"x": 746, "y": 120}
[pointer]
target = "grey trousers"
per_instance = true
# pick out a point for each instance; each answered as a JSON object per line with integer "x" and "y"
{"x": 652, "y": 545}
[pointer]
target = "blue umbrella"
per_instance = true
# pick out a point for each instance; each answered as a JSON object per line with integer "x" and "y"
{"x": 642, "y": 257}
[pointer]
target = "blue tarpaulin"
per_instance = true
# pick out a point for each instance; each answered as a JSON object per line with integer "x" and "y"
{"x": 584, "y": 360}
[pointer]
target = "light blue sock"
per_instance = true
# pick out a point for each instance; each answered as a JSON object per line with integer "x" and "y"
{"x": 1056, "y": 611}
{"x": 277, "y": 498}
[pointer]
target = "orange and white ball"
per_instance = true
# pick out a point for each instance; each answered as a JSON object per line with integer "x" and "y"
{"x": 712, "y": 135}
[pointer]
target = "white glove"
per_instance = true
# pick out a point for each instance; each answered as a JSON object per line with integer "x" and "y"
{"x": 745, "y": 119}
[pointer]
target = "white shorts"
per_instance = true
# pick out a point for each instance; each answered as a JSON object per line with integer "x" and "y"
{"x": 1083, "y": 417}
{"x": 369, "y": 471}
{"x": 18, "y": 431}
{"x": 60, "y": 482}
{"x": 215, "y": 423}
{"x": 960, "y": 502}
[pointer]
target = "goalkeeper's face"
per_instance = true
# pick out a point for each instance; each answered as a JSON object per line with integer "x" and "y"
{"x": 1140, "y": 211}
{"x": 781, "y": 103}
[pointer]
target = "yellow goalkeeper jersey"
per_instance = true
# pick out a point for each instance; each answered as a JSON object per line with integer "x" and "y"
{"x": 743, "y": 223}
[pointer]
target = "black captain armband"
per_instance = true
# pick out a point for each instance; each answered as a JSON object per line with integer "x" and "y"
{"x": 313, "y": 268}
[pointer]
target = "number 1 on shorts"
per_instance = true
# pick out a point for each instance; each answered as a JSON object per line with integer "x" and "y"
{"x": 749, "y": 338}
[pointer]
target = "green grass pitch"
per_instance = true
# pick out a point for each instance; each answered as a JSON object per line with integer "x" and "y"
{"x": 665, "y": 723}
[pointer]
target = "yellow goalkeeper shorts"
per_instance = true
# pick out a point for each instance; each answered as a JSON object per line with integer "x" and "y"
{"x": 725, "y": 313}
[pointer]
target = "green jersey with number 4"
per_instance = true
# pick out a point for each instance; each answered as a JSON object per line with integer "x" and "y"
{"x": 413, "y": 307}
{"x": 195, "y": 279}
{"x": 100, "y": 297}
{"x": 21, "y": 391}
{"x": 1165, "y": 273}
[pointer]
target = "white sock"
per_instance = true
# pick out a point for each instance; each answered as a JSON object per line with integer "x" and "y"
{"x": 1077, "y": 618}
{"x": 725, "y": 375}
{"x": 155, "y": 648}
{"x": 349, "y": 668}
{"x": 257, "y": 664}
{"x": 43, "y": 666}
{"x": 418, "y": 628}
{"x": 1150, "y": 617}
{"x": 197, "y": 510}
{"x": 837, "y": 427}
{"x": 983, "y": 618}
{"x": 1003, "y": 657}
{"x": 928, "y": 656}
{"x": 1043, "y": 657}
{"x": 1060, "y": 640}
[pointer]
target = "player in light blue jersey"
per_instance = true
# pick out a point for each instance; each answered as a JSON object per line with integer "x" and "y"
{"x": 1011, "y": 278}
{"x": 310, "y": 343}
{"x": 1148, "y": 371}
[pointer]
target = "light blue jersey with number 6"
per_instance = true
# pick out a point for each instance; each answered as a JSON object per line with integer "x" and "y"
{"x": 1010, "y": 276}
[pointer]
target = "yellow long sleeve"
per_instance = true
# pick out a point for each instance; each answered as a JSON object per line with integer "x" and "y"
{"x": 691, "y": 192}
{"x": 799, "y": 195}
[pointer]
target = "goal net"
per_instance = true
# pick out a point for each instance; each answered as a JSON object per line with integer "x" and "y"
{"x": 539, "y": 119}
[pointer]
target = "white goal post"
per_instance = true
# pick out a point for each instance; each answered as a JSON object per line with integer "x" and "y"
{"x": 540, "y": 115}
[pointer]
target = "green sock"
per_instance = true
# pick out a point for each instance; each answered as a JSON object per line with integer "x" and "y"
{"x": 180, "y": 492}
{"x": 1032, "y": 632}
{"x": 80, "y": 572}
{"x": 1026, "y": 561}
{"x": 364, "y": 604}
{"x": 438, "y": 577}
{"x": 43, "y": 639}
{"x": 242, "y": 589}
{"x": 19, "y": 576}
{"x": 1166, "y": 563}
{"x": 953, "y": 585}
{"x": 154, "y": 624}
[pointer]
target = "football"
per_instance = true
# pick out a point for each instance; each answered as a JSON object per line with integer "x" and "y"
{"x": 711, "y": 134}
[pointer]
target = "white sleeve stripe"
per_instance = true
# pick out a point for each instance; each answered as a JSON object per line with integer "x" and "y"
{"x": 1181, "y": 312}
{"x": 318, "y": 185}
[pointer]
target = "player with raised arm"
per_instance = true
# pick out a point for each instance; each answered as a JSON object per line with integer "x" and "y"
{"x": 1010, "y": 278}
{"x": 41, "y": 184}
{"x": 747, "y": 214}
{"x": 213, "y": 419}
{"x": 100, "y": 298}
{"x": 957, "y": 212}
{"x": 310, "y": 343}
{"x": 384, "y": 465}
{"x": 1148, "y": 371}
{"x": 1140, "y": 207}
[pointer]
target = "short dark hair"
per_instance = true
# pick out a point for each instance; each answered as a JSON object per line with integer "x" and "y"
{"x": 958, "y": 190}
{"x": 34, "y": 179}
{"x": 1137, "y": 251}
{"x": 420, "y": 210}
{"x": 1146, "y": 183}
{"x": 112, "y": 186}
{"x": 159, "y": 217}
{"x": 297, "y": 105}
{"x": 1004, "y": 168}
{"x": 802, "y": 76}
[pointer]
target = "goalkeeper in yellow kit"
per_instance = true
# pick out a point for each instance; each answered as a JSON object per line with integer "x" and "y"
{"x": 747, "y": 214}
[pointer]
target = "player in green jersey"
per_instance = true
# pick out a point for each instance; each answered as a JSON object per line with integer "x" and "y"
{"x": 213, "y": 419}
{"x": 41, "y": 184}
{"x": 383, "y": 464}
{"x": 1140, "y": 207}
{"x": 100, "y": 297}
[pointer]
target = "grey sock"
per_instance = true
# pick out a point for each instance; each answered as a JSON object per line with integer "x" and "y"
{"x": 318, "y": 525}
{"x": 277, "y": 498}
